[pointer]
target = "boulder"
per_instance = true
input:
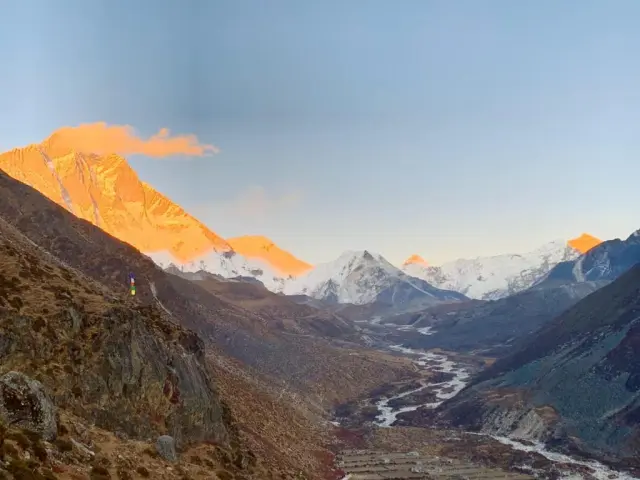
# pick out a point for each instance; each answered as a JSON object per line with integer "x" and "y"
{"x": 166, "y": 447}
{"x": 24, "y": 403}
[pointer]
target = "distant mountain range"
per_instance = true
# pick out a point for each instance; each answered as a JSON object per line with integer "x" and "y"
{"x": 105, "y": 190}
{"x": 498, "y": 326}
{"x": 491, "y": 278}
{"x": 361, "y": 278}
{"x": 605, "y": 263}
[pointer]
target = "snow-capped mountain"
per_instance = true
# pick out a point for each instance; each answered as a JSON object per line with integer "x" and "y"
{"x": 363, "y": 278}
{"x": 605, "y": 262}
{"x": 491, "y": 278}
{"x": 226, "y": 264}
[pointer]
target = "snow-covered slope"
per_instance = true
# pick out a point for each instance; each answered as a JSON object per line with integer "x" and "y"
{"x": 491, "y": 278}
{"x": 225, "y": 264}
{"x": 606, "y": 262}
{"x": 362, "y": 278}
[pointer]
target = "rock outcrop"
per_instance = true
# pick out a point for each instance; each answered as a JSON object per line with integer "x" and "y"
{"x": 25, "y": 403}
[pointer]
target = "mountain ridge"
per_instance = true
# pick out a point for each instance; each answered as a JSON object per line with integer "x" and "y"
{"x": 362, "y": 277}
{"x": 605, "y": 262}
{"x": 498, "y": 276}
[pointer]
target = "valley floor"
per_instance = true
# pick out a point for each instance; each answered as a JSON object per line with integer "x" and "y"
{"x": 394, "y": 440}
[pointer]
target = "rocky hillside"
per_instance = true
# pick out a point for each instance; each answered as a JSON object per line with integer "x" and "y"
{"x": 90, "y": 378}
{"x": 574, "y": 384}
{"x": 74, "y": 354}
{"x": 237, "y": 332}
{"x": 254, "y": 354}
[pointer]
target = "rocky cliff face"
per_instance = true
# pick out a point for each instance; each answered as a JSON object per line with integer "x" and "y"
{"x": 581, "y": 369}
{"x": 123, "y": 367}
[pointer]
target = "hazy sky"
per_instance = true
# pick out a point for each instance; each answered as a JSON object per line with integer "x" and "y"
{"x": 446, "y": 128}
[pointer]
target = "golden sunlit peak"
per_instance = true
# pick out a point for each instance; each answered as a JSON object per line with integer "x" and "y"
{"x": 415, "y": 260}
{"x": 584, "y": 243}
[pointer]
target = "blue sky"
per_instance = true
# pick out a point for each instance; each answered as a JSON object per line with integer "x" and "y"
{"x": 449, "y": 128}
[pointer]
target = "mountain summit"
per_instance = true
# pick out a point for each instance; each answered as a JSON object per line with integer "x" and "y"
{"x": 362, "y": 277}
{"x": 415, "y": 260}
{"x": 584, "y": 242}
{"x": 104, "y": 190}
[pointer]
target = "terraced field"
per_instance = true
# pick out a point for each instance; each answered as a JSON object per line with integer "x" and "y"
{"x": 376, "y": 465}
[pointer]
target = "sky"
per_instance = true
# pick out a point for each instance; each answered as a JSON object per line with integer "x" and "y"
{"x": 452, "y": 128}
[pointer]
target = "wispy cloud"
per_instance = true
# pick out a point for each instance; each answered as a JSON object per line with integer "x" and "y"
{"x": 255, "y": 202}
{"x": 101, "y": 138}
{"x": 250, "y": 208}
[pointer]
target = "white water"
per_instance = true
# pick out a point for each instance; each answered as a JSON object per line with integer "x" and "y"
{"x": 442, "y": 390}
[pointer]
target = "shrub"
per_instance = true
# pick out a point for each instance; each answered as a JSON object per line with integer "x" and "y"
{"x": 40, "y": 451}
{"x": 124, "y": 474}
{"x": 143, "y": 472}
{"x": 63, "y": 444}
{"x": 20, "y": 438}
{"x": 99, "y": 472}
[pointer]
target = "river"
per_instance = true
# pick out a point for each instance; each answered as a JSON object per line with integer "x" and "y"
{"x": 437, "y": 362}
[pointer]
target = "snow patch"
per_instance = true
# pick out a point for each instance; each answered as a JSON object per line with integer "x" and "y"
{"x": 63, "y": 191}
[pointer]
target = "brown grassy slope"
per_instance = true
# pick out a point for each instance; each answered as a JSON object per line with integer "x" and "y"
{"x": 306, "y": 363}
{"x": 283, "y": 431}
